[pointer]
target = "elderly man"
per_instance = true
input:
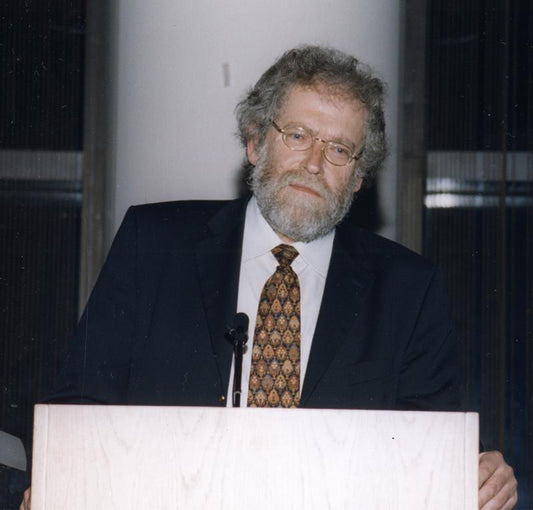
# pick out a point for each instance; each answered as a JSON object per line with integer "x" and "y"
{"x": 341, "y": 318}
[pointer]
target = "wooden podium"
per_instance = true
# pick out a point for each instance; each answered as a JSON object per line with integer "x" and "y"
{"x": 149, "y": 458}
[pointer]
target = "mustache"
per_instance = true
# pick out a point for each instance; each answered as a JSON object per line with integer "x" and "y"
{"x": 299, "y": 178}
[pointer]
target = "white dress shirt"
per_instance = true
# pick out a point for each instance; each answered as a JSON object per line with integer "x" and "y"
{"x": 258, "y": 264}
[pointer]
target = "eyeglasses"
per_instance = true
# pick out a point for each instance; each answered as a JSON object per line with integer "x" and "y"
{"x": 298, "y": 138}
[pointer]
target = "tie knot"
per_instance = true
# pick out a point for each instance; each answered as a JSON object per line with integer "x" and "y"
{"x": 285, "y": 254}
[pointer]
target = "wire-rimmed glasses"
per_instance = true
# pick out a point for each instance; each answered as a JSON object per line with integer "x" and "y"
{"x": 298, "y": 138}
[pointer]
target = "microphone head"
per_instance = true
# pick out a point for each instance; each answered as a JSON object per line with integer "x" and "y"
{"x": 240, "y": 323}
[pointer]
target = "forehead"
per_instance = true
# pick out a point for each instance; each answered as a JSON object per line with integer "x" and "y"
{"x": 324, "y": 110}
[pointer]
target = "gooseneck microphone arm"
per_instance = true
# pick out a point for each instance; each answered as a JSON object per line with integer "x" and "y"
{"x": 237, "y": 334}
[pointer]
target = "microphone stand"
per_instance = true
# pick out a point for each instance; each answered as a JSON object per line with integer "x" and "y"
{"x": 238, "y": 348}
{"x": 238, "y": 336}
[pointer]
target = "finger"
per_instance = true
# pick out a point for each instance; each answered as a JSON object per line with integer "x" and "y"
{"x": 503, "y": 498}
{"x": 508, "y": 505}
{"x": 511, "y": 502}
{"x": 26, "y": 501}
{"x": 488, "y": 463}
{"x": 512, "y": 487}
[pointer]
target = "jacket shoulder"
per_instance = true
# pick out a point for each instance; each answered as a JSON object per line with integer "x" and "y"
{"x": 382, "y": 253}
{"x": 183, "y": 218}
{"x": 169, "y": 211}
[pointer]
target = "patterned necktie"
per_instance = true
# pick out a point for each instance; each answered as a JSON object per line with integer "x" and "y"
{"x": 275, "y": 369}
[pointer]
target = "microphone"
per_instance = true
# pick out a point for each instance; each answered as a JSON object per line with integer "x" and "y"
{"x": 237, "y": 334}
{"x": 240, "y": 327}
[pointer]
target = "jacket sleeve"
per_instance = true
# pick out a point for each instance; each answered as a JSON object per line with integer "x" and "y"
{"x": 96, "y": 367}
{"x": 429, "y": 377}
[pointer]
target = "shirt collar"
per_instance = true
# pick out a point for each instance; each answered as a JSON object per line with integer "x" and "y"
{"x": 259, "y": 238}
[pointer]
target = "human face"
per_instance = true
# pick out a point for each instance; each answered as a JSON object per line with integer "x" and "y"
{"x": 301, "y": 194}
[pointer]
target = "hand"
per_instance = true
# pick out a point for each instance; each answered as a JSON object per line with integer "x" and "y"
{"x": 497, "y": 483}
{"x": 26, "y": 502}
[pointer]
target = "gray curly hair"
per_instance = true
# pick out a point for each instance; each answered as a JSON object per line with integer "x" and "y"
{"x": 311, "y": 66}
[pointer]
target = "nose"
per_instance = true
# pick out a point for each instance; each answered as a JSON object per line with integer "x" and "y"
{"x": 314, "y": 158}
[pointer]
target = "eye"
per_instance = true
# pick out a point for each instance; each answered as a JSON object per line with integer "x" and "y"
{"x": 297, "y": 138}
{"x": 340, "y": 150}
{"x": 297, "y": 134}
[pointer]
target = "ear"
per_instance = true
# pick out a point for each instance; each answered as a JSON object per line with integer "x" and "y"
{"x": 358, "y": 184}
{"x": 252, "y": 151}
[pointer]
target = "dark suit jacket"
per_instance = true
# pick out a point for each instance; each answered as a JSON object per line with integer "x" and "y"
{"x": 153, "y": 329}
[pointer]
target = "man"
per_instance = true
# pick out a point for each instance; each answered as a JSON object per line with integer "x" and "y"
{"x": 341, "y": 318}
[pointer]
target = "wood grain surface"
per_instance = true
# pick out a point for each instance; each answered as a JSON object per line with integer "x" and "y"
{"x": 114, "y": 457}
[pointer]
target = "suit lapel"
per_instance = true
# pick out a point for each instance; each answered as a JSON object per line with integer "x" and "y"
{"x": 347, "y": 283}
{"x": 218, "y": 256}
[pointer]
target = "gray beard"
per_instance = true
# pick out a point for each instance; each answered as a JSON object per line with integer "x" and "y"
{"x": 300, "y": 220}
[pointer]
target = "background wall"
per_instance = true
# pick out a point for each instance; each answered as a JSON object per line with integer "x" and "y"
{"x": 181, "y": 67}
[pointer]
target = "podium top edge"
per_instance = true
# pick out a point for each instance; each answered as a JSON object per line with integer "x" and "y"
{"x": 251, "y": 410}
